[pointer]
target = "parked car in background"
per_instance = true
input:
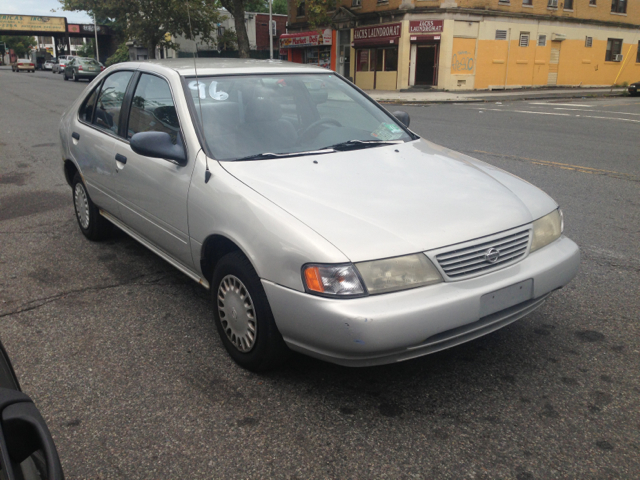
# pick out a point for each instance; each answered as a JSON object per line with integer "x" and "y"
{"x": 23, "y": 65}
{"x": 634, "y": 88}
{"x": 25, "y": 440}
{"x": 253, "y": 180}
{"x": 48, "y": 64}
{"x": 82, "y": 68}
{"x": 63, "y": 60}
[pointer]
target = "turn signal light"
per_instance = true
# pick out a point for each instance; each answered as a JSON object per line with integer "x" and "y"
{"x": 314, "y": 282}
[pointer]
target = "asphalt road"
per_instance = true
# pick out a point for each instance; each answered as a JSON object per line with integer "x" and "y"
{"x": 120, "y": 353}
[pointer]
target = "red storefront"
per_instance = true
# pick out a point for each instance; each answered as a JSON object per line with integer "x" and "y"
{"x": 313, "y": 48}
{"x": 376, "y": 60}
{"x": 425, "y": 51}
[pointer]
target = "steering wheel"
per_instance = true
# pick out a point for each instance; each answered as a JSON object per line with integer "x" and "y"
{"x": 317, "y": 123}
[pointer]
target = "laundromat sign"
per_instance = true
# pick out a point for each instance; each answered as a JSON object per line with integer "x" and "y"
{"x": 377, "y": 32}
{"x": 426, "y": 26}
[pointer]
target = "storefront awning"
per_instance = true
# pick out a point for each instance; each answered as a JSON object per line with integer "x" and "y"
{"x": 306, "y": 39}
{"x": 376, "y": 42}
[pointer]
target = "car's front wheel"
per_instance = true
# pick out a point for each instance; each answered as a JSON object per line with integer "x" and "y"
{"x": 243, "y": 316}
{"x": 93, "y": 225}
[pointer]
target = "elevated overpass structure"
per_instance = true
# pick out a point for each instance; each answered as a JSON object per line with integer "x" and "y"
{"x": 60, "y": 30}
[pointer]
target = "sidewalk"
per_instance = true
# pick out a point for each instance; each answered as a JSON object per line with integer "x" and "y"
{"x": 435, "y": 96}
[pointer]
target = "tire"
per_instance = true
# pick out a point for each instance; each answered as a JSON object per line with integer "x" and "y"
{"x": 75, "y": 77}
{"x": 93, "y": 225}
{"x": 236, "y": 290}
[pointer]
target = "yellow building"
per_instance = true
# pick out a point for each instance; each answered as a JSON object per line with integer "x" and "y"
{"x": 480, "y": 44}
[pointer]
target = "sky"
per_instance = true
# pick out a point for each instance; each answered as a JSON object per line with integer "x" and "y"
{"x": 41, "y": 8}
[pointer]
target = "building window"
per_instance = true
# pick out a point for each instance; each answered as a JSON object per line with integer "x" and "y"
{"x": 592, "y": 3}
{"x": 618, "y": 6}
{"x": 504, "y": 2}
{"x": 542, "y": 40}
{"x": 301, "y": 9}
{"x": 588, "y": 42}
{"x": 527, "y": 2}
{"x": 552, "y": 4}
{"x": 524, "y": 39}
{"x": 391, "y": 59}
{"x": 614, "y": 49}
{"x": 356, "y": 3}
{"x": 568, "y": 4}
{"x": 501, "y": 34}
{"x": 638, "y": 54}
{"x": 383, "y": 2}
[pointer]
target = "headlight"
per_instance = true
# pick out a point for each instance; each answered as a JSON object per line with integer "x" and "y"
{"x": 399, "y": 273}
{"x": 547, "y": 229}
{"x": 338, "y": 280}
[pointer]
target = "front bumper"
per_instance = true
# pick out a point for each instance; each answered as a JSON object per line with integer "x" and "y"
{"x": 398, "y": 326}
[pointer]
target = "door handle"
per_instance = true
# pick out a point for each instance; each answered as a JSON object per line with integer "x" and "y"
{"x": 76, "y": 135}
{"x": 121, "y": 158}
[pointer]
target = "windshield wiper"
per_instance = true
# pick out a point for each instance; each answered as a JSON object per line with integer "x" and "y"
{"x": 267, "y": 155}
{"x": 356, "y": 144}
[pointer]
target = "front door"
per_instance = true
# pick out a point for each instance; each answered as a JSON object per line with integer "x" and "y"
{"x": 425, "y": 64}
{"x": 554, "y": 60}
{"x": 153, "y": 191}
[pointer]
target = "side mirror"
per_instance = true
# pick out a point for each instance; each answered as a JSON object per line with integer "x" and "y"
{"x": 159, "y": 145}
{"x": 403, "y": 117}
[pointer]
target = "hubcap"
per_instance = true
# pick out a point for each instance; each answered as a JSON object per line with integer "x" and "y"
{"x": 237, "y": 314}
{"x": 82, "y": 205}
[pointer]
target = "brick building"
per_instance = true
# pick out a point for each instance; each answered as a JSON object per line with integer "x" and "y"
{"x": 480, "y": 44}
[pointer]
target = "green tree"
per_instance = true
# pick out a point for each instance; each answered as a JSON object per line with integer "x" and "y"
{"x": 149, "y": 21}
{"x": 280, "y": 7}
{"x": 318, "y": 12}
{"x": 228, "y": 40}
{"x": 21, "y": 45}
{"x": 87, "y": 50}
{"x": 237, "y": 8}
{"x": 121, "y": 55}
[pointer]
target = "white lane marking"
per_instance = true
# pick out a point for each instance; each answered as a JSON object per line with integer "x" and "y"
{"x": 540, "y": 113}
{"x": 614, "y": 118}
{"x": 596, "y": 111}
{"x": 561, "y": 104}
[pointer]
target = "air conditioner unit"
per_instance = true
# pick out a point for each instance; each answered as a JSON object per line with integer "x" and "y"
{"x": 616, "y": 58}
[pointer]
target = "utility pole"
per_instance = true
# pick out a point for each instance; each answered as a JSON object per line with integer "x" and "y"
{"x": 270, "y": 32}
{"x": 95, "y": 31}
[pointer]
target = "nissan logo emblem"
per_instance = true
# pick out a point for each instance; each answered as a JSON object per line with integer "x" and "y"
{"x": 492, "y": 255}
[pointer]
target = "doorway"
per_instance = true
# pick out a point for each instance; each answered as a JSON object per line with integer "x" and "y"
{"x": 554, "y": 60}
{"x": 426, "y": 64}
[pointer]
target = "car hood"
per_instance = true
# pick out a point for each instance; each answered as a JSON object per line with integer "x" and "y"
{"x": 394, "y": 200}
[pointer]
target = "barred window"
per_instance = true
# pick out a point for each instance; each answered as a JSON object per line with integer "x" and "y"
{"x": 501, "y": 34}
{"x": 524, "y": 39}
{"x": 588, "y": 42}
{"x": 542, "y": 40}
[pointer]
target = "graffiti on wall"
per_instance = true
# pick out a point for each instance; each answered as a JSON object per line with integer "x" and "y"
{"x": 463, "y": 60}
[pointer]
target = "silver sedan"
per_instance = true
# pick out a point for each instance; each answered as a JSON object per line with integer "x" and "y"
{"x": 319, "y": 221}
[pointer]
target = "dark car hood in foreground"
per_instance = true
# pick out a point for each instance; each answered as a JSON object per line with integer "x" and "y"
{"x": 394, "y": 200}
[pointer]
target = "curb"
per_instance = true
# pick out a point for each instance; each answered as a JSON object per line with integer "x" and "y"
{"x": 502, "y": 99}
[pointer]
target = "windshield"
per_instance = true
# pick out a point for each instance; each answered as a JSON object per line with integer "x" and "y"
{"x": 249, "y": 115}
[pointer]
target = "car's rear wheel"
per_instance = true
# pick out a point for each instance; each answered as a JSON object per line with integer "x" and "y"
{"x": 243, "y": 316}
{"x": 93, "y": 225}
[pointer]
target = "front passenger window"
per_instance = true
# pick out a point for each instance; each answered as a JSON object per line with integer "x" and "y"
{"x": 110, "y": 101}
{"x": 152, "y": 108}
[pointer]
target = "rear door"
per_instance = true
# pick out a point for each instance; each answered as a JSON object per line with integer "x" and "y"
{"x": 94, "y": 135}
{"x": 153, "y": 191}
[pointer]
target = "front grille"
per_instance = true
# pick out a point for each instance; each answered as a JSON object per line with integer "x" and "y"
{"x": 472, "y": 260}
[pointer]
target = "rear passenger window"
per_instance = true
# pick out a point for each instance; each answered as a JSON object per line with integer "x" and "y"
{"x": 110, "y": 101}
{"x": 86, "y": 110}
{"x": 152, "y": 108}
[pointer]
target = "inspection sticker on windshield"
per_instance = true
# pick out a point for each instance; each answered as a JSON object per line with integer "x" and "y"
{"x": 387, "y": 131}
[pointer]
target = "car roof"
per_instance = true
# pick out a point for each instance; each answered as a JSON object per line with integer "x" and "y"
{"x": 225, "y": 66}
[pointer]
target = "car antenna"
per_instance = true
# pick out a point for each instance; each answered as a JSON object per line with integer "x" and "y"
{"x": 207, "y": 173}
